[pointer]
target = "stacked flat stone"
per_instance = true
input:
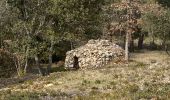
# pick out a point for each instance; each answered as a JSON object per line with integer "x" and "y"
{"x": 96, "y": 53}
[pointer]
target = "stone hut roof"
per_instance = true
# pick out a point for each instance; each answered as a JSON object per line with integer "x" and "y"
{"x": 96, "y": 53}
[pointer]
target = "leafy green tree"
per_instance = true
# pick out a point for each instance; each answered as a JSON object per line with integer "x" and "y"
{"x": 41, "y": 24}
{"x": 165, "y": 3}
{"x": 157, "y": 24}
{"x": 149, "y": 24}
{"x": 78, "y": 19}
{"x": 123, "y": 21}
{"x": 29, "y": 28}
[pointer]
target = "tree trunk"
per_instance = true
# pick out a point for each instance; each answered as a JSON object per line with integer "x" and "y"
{"x": 127, "y": 47}
{"x": 153, "y": 37}
{"x": 131, "y": 45}
{"x": 26, "y": 60}
{"x": 140, "y": 41}
{"x": 26, "y": 66}
{"x": 0, "y": 41}
{"x": 71, "y": 44}
{"x": 50, "y": 59}
{"x": 164, "y": 41}
{"x": 38, "y": 65}
{"x": 50, "y": 64}
{"x": 124, "y": 41}
{"x": 164, "y": 45}
{"x": 17, "y": 66}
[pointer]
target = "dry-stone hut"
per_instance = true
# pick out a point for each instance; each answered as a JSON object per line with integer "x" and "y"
{"x": 96, "y": 53}
{"x": 7, "y": 64}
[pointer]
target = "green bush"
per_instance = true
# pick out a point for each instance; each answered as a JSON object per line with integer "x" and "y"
{"x": 7, "y": 64}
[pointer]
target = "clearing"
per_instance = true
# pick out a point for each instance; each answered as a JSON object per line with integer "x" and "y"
{"x": 147, "y": 76}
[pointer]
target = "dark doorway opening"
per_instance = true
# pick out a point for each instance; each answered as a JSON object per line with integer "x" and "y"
{"x": 76, "y": 62}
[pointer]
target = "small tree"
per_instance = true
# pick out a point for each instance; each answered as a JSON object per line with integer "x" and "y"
{"x": 29, "y": 27}
{"x": 157, "y": 25}
{"x": 124, "y": 22}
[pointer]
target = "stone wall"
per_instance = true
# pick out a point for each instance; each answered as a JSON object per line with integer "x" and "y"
{"x": 96, "y": 53}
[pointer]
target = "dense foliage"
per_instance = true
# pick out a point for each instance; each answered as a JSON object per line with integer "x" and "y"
{"x": 37, "y": 30}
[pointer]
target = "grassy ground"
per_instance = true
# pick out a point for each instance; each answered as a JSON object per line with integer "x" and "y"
{"x": 146, "y": 77}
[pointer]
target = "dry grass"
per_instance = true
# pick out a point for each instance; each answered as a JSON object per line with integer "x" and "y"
{"x": 142, "y": 79}
{"x": 149, "y": 56}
